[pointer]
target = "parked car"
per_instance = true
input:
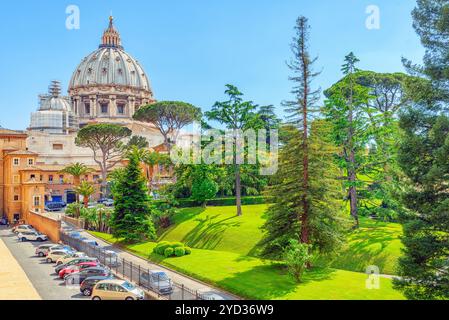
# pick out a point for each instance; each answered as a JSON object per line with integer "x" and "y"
{"x": 61, "y": 247}
{"x": 42, "y": 250}
{"x": 156, "y": 280}
{"x": 32, "y": 236}
{"x": 75, "y": 235}
{"x": 88, "y": 284}
{"x": 108, "y": 202}
{"x": 67, "y": 229}
{"x": 116, "y": 290}
{"x": 54, "y": 255}
{"x": 111, "y": 258}
{"x": 23, "y": 228}
{"x": 69, "y": 256}
{"x": 83, "y": 274}
{"x": 91, "y": 242}
{"x": 55, "y": 206}
{"x": 76, "y": 268}
{"x": 207, "y": 294}
{"x": 74, "y": 261}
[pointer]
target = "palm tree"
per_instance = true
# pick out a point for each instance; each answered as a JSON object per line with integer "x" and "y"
{"x": 86, "y": 189}
{"x": 151, "y": 158}
{"x": 76, "y": 170}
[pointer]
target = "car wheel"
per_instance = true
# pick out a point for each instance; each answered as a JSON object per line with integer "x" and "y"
{"x": 41, "y": 254}
{"x": 49, "y": 260}
{"x": 24, "y": 239}
{"x": 87, "y": 292}
{"x": 40, "y": 239}
{"x": 96, "y": 298}
{"x": 129, "y": 298}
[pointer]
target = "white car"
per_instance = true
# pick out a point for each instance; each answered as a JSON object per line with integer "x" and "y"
{"x": 32, "y": 236}
{"x": 54, "y": 255}
{"x": 23, "y": 228}
{"x": 69, "y": 256}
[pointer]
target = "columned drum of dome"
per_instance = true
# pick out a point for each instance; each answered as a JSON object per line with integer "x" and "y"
{"x": 109, "y": 84}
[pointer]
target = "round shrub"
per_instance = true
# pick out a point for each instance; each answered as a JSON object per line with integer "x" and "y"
{"x": 180, "y": 251}
{"x": 162, "y": 247}
{"x": 168, "y": 252}
{"x": 177, "y": 245}
{"x": 187, "y": 250}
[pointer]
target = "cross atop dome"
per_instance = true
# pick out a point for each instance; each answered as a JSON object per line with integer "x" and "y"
{"x": 111, "y": 37}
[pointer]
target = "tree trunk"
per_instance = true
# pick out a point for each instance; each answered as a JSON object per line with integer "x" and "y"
{"x": 352, "y": 163}
{"x": 86, "y": 202}
{"x": 353, "y": 192}
{"x": 100, "y": 222}
{"x": 238, "y": 190}
{"x": 305, "y": 150}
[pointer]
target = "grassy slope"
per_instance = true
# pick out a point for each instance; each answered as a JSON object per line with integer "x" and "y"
{"x": 218, "y": 228}
{"x": 257, "y": 279}
{"x": 374, "y": 243}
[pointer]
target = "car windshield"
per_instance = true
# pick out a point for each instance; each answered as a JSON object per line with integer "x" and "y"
{"x": 160, "y": 276}
{"x": 128, "y": 286}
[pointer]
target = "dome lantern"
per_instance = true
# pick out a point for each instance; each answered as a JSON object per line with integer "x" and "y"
{"x": 111, "y": 37}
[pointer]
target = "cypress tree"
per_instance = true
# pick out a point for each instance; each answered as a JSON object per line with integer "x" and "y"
{"x": 131, "y": 219}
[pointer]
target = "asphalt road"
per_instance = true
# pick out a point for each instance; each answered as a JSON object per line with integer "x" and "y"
{"x": 40, "y": 273}
{"x": 193, "y": 284}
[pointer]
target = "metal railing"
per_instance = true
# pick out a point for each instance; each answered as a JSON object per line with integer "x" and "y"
{"x": 165, "y": 289}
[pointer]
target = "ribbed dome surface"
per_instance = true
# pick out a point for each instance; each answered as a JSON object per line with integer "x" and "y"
{"x": 110, "y": 65}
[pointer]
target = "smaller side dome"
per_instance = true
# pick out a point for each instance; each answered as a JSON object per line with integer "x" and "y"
{"x": 53, "y": 100}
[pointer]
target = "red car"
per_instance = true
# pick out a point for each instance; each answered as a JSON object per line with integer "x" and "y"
{"x": 76, "y": 268}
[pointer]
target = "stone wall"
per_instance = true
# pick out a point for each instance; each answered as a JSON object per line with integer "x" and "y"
{"x": 45, "y": 224}
{"x": 79, "y": 223}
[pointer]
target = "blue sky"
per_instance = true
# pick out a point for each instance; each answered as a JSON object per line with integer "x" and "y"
{"x": 191, "y": 49}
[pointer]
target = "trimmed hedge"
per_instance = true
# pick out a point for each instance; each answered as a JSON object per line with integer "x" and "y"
{"x": 180, "y": 251}
{"x": 188, "y": 203}
{"x": 168, "y": 252}
{"x": 170, "y": 249}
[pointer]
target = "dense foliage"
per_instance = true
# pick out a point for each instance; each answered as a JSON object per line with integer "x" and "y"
{"x": 424, "y": 158}
{"x": 132, "y": 218}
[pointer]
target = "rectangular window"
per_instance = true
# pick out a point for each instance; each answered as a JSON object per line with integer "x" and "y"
{"x": 96, "y": 177}
{"x": 61, "y": 179}
{"x": 16, "y": 197}
{"x": 121, "y": 109}
{"x": 33, "y": 177}
{"x": 50, "y": 178}
{"x": 104, "y": 108}
{"x": 30, "y": 162}
{"x": 58, "y": 146}
{"x": 37, "y": 201}
{"x": 16, "y": 162}
{"x": 87, "y": 108}
{"x": 16, "y": 179}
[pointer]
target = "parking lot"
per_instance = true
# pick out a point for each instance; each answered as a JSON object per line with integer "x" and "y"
{"x": 40, "y": 273}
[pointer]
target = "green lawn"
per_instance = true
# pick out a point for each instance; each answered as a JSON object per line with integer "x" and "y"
{"x": 254, "y": 278}
{"x": 218, "y": 228}
{"x": 374, "y": 243}
{"x": 225, "y": 254}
